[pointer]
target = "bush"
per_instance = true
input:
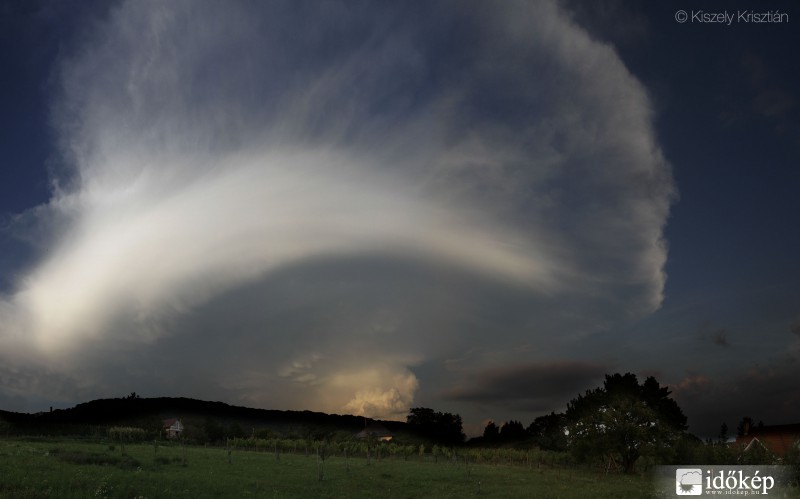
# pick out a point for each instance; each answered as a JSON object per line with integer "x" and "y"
{"x": 126, "y": 434}
{"x": 792, "y": 458}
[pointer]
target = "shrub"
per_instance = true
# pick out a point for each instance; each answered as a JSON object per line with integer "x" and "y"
{"x": 126, "y": 434}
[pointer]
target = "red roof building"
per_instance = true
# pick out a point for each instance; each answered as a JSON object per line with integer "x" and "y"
{"x": 172, "y": 427}
{"x": 777, "y": 439}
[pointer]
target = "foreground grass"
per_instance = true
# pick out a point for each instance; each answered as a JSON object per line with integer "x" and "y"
{"x": 74, "y": 469}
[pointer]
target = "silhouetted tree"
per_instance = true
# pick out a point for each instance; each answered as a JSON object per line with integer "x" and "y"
{"x": 235, "y": 430}
{"x": 443, "y": 427}
{"x": 626, "y": 419}
{"x": 421, "y": 420}
{"x": 723, "y": 433}
{"x": 491, "y": 433}
{"x": 512, "y": 431}
{"x": 744, "y": 426}
{"x": 213, "y": 430}
{"x": 548, "y": 431}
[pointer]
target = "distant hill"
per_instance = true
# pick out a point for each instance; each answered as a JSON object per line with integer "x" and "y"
{"x": 149, "y": 411}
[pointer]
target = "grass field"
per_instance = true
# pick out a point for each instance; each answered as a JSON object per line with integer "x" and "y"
{"x": 75, "y": 469}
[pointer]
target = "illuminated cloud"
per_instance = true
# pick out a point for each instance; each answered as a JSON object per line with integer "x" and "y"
{"x": 315, "y": 204}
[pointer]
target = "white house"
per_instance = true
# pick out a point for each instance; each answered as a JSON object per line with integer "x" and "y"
{"x": 173, "y": 427}
{"x": 375, "y": 430}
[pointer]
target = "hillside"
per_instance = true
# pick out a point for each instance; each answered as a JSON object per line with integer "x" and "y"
{"x": 149, "y": 411}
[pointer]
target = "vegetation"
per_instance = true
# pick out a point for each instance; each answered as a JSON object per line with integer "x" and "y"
{"x": 117, "y": 448}
{"x": 127, "y": 434}
{"x": 74, "y": 469}
{"x": 442, "y": 427}
{"x": 548, "y": 432}
{"x": 626, "y": 420}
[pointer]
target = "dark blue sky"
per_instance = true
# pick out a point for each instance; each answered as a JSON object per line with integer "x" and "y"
{"x": 476, "y": 121}
{"x": 32, "y": 36}
{"x": 728, "y": 120}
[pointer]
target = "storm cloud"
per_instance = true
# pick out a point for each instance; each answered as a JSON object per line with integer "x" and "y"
{"x": 533, "y": 388}
{"x": 720, "y": 338}
{"x": 315, "y": 206}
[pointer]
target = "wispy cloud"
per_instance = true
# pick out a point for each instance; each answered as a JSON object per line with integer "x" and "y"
{"x": 312, "y": 203}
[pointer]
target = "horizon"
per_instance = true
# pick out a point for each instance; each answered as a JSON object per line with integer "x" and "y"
{"x": 478, "y": 208}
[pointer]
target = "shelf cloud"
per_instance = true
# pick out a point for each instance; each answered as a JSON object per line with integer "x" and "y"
{"x": 312, "y": 206}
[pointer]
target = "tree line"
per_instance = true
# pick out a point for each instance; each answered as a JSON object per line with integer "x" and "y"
{"x": 619, "y": 422}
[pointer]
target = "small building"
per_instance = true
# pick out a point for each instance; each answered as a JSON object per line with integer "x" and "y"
{"x": 777, "y": 439}
{"x": 173, "y": 428}
{"x": 375, "y": 430}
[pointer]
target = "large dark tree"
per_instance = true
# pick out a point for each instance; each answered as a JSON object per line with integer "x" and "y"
{"x": 491, "y": 433}
{"x": 723, "y": 433}
{"x": 624, "y": 419}
{"x": 745, "y": 425}
{"x": 443, "y": 427}
{"x": 512, "y": 431}
{"x": 548, "y": 431}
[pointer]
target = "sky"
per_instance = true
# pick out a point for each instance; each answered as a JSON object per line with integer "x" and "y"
{"x": 361, "y": 208}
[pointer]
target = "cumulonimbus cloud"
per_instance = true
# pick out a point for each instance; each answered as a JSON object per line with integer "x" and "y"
{"x": 212, "y": 146}
{"x": 535, "y": 387}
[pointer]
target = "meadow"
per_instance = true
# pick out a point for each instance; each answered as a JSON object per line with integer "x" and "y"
{"x": 70, "y": 468}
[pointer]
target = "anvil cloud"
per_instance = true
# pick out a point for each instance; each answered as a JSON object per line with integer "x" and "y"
{"x": 321, "y": 208}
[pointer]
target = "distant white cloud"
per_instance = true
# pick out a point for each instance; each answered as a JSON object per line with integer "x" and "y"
{"x": 305, "y": 207}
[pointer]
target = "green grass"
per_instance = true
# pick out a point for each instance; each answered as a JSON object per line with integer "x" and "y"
{"x": 75, "y": 469}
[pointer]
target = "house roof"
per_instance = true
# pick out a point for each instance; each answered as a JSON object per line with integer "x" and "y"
{"x": 374, "y": 429}
{"x": 777, "y": 438}
{"x": 169, "y": 422}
